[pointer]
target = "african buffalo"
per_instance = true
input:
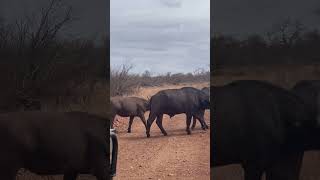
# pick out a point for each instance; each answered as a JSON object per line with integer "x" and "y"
{"x": 188, "y": 100}
{"x": 129, "y": 107}
{"x": 260, "y": 126}
{"x": 207, "y": 91}
{"x": 48, "y": 143}
{"x": 309, "y": 92}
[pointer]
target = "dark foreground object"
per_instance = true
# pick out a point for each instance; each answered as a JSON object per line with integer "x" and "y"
{"x": 260, "y": 126}
{"x": 129, "y": 107}
{"x": 188, "y": 100}
{"x": 69, "y": 143}
{"x": 114, "y": 152}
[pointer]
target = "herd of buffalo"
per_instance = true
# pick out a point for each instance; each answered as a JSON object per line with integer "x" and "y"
{"x": 263, "y": 127}
{"x": 188, "y": 100}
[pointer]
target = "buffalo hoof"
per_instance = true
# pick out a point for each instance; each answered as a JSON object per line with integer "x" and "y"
{"x": 192, "y": 128}
{"x": 129, "y": 131}
{"x": 148, "y": 135}
{"x": 188, "y": 132}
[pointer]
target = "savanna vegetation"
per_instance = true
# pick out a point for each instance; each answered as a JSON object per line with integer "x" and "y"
{"x": 123, "y": 82}
{"x": 42, "y": 67}
{"x": 286, "y": 53}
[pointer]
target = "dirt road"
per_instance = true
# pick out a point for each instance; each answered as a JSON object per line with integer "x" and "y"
{"x": 176, "y": 156}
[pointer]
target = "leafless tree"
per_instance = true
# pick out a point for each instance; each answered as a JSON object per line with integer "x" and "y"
{"x": 286, "y": 32}
{"x": 36, "y": 62}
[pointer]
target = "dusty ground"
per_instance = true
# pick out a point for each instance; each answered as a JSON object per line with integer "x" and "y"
{"x": 176, "y": 156}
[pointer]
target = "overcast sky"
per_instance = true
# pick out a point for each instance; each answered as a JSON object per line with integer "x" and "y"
{"x": 160, "y": 35}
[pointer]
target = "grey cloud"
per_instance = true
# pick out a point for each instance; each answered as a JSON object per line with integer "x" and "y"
{"x": 171, "y": 3}
{"x": 160, "y": 43}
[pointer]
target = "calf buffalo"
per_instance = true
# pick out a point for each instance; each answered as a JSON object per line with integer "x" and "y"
{"x": 259, "y": 126}
{"x": 54, "y": 143}
{"x": 129, "y": 107}
{"x": 188, "y": 100}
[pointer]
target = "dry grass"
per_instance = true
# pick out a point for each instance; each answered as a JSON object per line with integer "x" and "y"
{"x": 285, "y": 75}
{"x": 149, "y": 91}
{"x": 123, "y": 82}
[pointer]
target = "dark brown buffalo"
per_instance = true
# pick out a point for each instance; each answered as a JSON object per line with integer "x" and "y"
{"x": 188, "y": 100}
{"x": 309, "y": 92}
{"x": 260, "y": 126}
{"x": 46, "y": 143}
{"x": 129, "y": 107}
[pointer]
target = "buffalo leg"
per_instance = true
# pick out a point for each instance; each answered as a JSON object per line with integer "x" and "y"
{"x": 130, "y": 123}
{"x": 70, "y": 176}
{"x": 188, "y": 123}
{"x": 159, "y": 123}
{"x": 202, "y": 121}
{"x": 97, "y": 154}
{"x": 204, "y": 126}
{"x": 141, "y": 116}
{"x": 194, "y": 122}
{"x": 151, "y": 118}
{"x": 101, "y": 170}
{"x": 99, "y": 163}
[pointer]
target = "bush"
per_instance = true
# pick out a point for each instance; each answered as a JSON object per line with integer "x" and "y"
{"x": 38, "y": 64}
{"x": 122, "y": 82}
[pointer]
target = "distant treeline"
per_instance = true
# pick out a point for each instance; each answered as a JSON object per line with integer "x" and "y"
{"x": 36, "y": 63}
{"x": 287, "y": 42}
{"x": 122, "y": 82}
